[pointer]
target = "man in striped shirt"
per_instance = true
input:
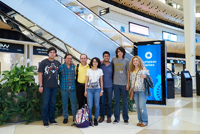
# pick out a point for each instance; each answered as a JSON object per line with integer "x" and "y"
{"x": 67, "y": 86}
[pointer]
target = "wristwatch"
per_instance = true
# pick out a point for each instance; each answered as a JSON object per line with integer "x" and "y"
{"x": 40, "y": 86}
{"x": 102, "y": 91}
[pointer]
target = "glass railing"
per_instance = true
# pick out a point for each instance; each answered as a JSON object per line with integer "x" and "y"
{"x": 97, "y": 22}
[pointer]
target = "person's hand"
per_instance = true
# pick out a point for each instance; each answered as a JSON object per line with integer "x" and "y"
{"x": 127, "y": 86}
{"x": 85, "y": 94}
{"x": 40, "y": 89}
{"x": 101, "y": 93}
{"x": 102, "y": 61}
{"x": 144, "y": 76}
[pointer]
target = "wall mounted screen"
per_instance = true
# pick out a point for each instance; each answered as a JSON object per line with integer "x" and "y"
{"x": 138, "y": 29}
{"x": 169, "y": 36}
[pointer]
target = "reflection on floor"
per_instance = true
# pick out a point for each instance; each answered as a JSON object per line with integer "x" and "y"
{"x": 180, "y": 116}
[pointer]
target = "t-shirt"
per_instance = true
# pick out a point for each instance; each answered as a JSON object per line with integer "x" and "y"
{"x": 94, "y": 76}
{"x": 50, "y": 73}
{"x": 108, "y": 74}
{"x": 120, "y": 70}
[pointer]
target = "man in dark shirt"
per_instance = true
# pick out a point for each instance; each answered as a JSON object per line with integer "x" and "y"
{"x": 48, "y": 81}
{"x": 68, "y": 86}
{"x": 107, "y": 88}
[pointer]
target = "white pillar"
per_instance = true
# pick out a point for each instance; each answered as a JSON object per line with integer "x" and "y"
{"x": 31, "y": 55}
{"x": 189, "y": 8}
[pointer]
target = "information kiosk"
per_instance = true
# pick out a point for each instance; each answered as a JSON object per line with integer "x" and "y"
{"x": 198, "y": 82}
{"x": 186, "y": 84}
{"x": 170, "y": 85}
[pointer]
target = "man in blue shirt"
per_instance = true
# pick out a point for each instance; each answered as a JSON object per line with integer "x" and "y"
{"x": 67, "y": 86}
{"x": 107, "y": 88}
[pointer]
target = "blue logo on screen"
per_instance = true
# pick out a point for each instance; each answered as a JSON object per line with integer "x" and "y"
{"x": 151, "y": 56}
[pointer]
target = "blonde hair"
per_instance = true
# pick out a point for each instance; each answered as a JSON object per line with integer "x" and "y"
{"x": 132, "y": 67}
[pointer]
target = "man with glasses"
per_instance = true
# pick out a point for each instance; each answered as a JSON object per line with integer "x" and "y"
{"x": 81, "y": 71}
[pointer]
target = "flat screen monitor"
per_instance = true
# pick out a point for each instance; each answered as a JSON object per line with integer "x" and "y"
{"x": 169, "y": 76}
{"x": 187, "y": 75}
{"x": 169, "y": 36}
{"x": 138, "y": 29}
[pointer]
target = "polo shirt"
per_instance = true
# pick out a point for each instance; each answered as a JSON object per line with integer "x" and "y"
{"x": 82, "y": 73}
{"x": 67, "y": 77}
{"x": 108, "y": 74}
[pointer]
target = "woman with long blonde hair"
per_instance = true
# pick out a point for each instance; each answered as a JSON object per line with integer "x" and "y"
{"x": 137, "y": 77}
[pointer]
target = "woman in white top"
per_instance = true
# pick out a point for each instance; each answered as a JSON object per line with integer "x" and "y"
{"x": 137, "y": 85}
{"x": 94, "y": 87}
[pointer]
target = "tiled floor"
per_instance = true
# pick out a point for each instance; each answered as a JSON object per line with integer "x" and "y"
{"x": 179, "y": 116}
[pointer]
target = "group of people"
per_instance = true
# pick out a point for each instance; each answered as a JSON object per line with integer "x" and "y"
{"x": 96, "y": 81}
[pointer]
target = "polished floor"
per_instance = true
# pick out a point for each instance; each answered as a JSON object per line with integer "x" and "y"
{"x": 179, "y": 116}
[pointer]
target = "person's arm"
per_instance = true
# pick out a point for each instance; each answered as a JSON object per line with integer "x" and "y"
{"x": 101, "y": 82}
{"x": 40, "y": 75}
{"x": 128, "y": 79}
{"x": 86, "y": 83}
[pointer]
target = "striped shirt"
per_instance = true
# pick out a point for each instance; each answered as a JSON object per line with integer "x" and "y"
{"x": 67, "y": 77}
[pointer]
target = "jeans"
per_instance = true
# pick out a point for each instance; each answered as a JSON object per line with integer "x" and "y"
{"x": 82, "y": 100}
{"x": 107, "y": 95}
{"x": 140, "y": 98}
{"x": 117, "y": 90}
{"x": 65, "y": 96}
{"x": 48, "y": 104}
{"x": 93, "y": 93}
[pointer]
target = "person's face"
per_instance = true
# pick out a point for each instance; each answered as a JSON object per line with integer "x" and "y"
{"x": 119, "y": 53}
{"x": 106, "y": 57}
{"x": 135, "y": 62}
{"x": 83, "y": 59}
{"x": 68, "y": 59}
{"x": 52, "y": 54}
{"x": 95, "y": 63}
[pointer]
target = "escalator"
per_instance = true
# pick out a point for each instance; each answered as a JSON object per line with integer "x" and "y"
{"x": 65, "y": 24}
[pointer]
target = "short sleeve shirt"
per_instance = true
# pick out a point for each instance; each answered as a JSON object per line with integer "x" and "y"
{"x": 94, "y": 77}
{"x": 50, "y": 73}
{"x": 120, "y": 70}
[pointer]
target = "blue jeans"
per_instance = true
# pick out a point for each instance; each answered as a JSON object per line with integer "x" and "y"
{"x": 72, "y": 95}
{"x": 48, "y": 104}
{"x": 117, "y": 90}
{"x": 140, "y": 98}
{"x": 93, "y": 93}
{"x": 107, "y": 95}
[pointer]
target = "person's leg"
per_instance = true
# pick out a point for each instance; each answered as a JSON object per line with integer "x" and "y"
{"x": 109, "y": 92}
{"x": 45, "y": 104}
{"x": 96, "y": 102}
{"x": 79, "y": 95}
{"x": 52, "y": 104}
{"x": 65, "y": 95}
{"x": 90, "y": 101}
{"x": 142, "y": 106}
{"x": 102, "y": 104}
{"x": 117, "y": 102}
{"x": 136, "y": 99}
{"x": 125, "y": 105}
{"x": 73, "y": 103}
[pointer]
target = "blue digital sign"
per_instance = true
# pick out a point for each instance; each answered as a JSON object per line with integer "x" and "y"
{"x": 151, "y": 56}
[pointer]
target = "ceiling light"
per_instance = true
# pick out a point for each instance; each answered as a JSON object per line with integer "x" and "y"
{"x": 123, "y": 3}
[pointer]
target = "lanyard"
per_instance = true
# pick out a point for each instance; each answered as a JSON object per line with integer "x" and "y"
{"x": 135, "y": 72}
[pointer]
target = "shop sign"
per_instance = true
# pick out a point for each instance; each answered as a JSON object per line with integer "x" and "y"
{"x": 12, "y": 48}
{"x": 39, "y": 51}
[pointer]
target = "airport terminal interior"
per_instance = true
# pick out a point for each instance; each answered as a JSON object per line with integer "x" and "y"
{"x": 164, "y": 33}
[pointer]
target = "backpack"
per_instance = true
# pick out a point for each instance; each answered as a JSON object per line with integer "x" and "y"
{"x": 82, "y": 118}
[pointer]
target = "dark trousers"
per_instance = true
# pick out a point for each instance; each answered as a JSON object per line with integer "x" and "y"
{"x": 82, "y": 100}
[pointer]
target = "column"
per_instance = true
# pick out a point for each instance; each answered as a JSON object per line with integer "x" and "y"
{"x": 189, "y": 8}
{"x": 30, "y": 55}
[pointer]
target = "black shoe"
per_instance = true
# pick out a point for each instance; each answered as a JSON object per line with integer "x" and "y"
{"x": 65, "y": 121}
{"x": 53, "y": 122}
{"x": 126, "y": 122}
{"x": 95, "y": 122}
{"x": 90, "y": 120}
{"x": 115, "y": 121}
{"x": 46, "y": 125}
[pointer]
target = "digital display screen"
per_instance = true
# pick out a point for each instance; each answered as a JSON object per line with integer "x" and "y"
{"x": 139, "y": 29}
{"x": 169, "y": 76}
{"x": 169, "y": 36}
{"x": 151, "y": 56}
{"x": 187, "y": 75}
{"x": 171, "y": 61}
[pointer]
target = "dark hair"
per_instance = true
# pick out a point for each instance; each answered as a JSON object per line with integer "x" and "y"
{"x": 98, "y": 60}
{"x": 106, "y": 52}
{"x": 122, "y": 50}
{"x": 67, "y": 55}
{"x": 83, "y": 54}
{"x": 50, "y": 49}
